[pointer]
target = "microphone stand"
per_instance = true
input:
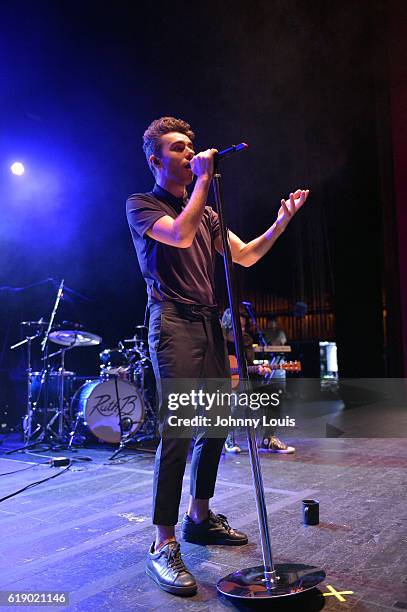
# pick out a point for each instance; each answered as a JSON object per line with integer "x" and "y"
{"x": 251, "y": 314}
{"x": 267, "y": 580}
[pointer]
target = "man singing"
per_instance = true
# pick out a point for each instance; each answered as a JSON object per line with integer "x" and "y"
{"x": 176, "y": 237}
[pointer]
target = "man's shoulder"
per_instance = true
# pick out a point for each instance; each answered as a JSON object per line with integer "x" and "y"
{"x": 136, "y": 200}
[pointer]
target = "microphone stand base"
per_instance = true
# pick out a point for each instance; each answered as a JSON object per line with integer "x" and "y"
{"x": 291, "y": 579}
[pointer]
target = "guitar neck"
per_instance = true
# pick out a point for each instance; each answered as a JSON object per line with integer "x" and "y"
{"x": 274, "y": 366}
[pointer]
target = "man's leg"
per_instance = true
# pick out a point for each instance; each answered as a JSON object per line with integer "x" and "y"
{"x": 207, "y": 450}
{"x": 164, "y": 562}
{"x": 204, "y": 469}
{"x": 198, "y": 509}
{"x": 170, "y": 461}
{"x": 177, "y": 349}
{"x": 200, "y": 525}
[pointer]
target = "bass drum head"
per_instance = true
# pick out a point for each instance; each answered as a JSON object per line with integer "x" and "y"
{"x": 97, "y": 403}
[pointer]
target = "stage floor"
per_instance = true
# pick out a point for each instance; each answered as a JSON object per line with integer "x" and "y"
{"x": 87, "y": 531}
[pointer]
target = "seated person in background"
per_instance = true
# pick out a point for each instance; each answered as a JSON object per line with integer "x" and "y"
{"x": 273, "y": 444}
{"x": 273, "y": 334}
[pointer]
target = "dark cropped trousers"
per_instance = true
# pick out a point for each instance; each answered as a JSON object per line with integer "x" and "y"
{"x": 186, "y": 342}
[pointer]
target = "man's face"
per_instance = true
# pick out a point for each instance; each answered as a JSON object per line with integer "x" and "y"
{"x": 177, "y": 151}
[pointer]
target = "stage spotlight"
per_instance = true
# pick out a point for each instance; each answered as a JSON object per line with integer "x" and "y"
{"x": 17, "y": 168}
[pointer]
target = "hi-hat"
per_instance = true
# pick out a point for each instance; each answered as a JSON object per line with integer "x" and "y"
{"x": 71, "y": 338}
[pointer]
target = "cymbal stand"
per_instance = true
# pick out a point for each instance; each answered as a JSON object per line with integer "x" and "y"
{"x": 61, "y": 407}
{"x": 61, "y": 395}
{"x": 45, "y": 375}
{"x": 33, "y": 403}
{"x": 43, "y": 437}
{"x": 266, "y": 581}
{"x": 28, "y": 418}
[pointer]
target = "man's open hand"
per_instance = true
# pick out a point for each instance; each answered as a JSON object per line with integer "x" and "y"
{"x": 290, "y": 207}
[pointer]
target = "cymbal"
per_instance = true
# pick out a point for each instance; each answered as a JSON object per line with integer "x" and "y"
{"x": 71, "y": 338}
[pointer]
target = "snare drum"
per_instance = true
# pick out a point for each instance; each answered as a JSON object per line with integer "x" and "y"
{"x": 95, "y": 405}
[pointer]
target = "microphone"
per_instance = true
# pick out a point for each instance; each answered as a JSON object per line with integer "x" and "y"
{"x": 230, "y": 151}
{"x": 246, "y": 303}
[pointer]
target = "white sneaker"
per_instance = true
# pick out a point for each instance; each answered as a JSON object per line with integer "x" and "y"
{"x": 232, "y": 449}
{"x": 275, "y": 445}
{"x": 231, "y": 446}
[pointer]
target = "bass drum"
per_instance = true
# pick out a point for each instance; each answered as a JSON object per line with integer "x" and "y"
{"x": 95, "y": 406}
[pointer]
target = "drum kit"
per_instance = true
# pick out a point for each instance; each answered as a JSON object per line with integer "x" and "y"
{"x": 117, "y": 407}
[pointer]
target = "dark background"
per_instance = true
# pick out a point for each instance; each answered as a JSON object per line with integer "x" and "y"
{"x": 305, "y": 83}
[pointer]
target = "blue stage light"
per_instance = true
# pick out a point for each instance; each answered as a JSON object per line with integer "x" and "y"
{"x": 17, "y": 168}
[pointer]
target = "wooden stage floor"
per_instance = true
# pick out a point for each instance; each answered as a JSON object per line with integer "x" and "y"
{"x": 87, "y": 531}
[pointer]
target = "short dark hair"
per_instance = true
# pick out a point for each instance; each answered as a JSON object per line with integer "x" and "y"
{"x": 159, "y": 127}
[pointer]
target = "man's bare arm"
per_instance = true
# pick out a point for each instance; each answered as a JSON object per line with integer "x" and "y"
{"x": 247, "y": 254}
